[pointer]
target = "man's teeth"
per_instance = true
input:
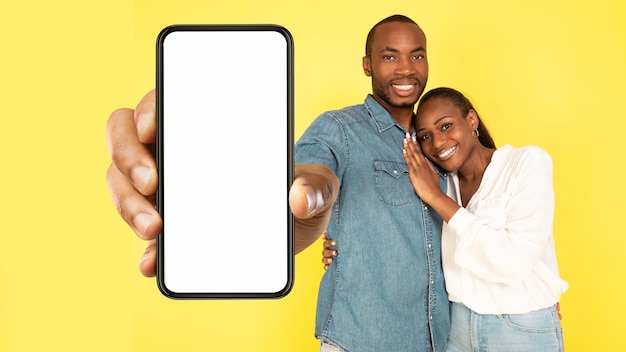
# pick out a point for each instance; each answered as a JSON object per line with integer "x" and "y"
{"x": 447, "y": 152}
{"x": 403, "y": 87}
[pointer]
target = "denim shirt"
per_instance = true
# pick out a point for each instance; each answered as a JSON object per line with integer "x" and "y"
{"x": 385, "y": 290}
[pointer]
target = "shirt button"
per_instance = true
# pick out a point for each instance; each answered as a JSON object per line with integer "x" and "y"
{"x": 430, "y": 317}
{"x": 395, "y": 172}
{"x": 430, "y": 245}
{"x": 432, "y": 282}
{"x": 425, "y": 207}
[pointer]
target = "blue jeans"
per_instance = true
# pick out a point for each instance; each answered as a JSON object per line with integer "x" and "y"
{"x": 539, "y": 330}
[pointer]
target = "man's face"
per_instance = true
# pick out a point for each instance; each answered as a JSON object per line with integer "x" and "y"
{"x": 397, "y": 64}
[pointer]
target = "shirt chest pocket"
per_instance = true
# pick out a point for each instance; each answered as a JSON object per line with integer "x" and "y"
{"x": 392, "y": 182}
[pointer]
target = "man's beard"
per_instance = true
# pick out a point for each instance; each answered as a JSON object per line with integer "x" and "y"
{"x": 379, "y": 90}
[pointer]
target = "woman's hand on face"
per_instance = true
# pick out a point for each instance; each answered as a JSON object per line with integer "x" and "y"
{"x": 328, "y": 253}
{"x": 422, "y": 173}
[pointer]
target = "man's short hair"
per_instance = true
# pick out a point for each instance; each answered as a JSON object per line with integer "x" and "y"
{"x": 370, "y": 35}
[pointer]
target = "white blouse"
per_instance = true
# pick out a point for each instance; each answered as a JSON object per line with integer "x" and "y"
{"x": 498, "y": 253}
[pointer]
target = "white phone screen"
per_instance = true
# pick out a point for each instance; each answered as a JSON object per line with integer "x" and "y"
{"x": 224, "y": 156}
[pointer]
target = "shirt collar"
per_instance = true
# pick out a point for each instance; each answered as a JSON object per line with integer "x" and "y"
{"x": 382, "y": 118}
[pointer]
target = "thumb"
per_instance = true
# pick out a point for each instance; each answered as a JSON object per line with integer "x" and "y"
{"x": 313, "y": 191}
{"x": 307, "y": 200}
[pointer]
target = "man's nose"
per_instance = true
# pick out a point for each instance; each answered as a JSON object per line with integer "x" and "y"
{"x": 405, "y": 66}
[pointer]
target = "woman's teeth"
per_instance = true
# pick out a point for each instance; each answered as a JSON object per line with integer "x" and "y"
{"x": 446, "y": 152}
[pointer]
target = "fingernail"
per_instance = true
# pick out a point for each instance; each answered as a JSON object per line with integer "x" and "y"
{"x": 142, "y": 121}
{"x": 142, "y": 222}
{"x": 140, "y": 176}
{"x": 314, "y": 199}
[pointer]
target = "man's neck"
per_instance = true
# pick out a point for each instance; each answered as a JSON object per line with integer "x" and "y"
{"x": 403, "y": 116}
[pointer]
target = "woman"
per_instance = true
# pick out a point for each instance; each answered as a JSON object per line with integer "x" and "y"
{"x": 498, "y": 250}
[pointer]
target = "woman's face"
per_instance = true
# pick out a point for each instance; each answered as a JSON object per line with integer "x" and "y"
{"x": 444, "y": 134}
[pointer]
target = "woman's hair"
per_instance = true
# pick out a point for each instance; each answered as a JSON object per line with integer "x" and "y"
{"x": 464, "y": 105}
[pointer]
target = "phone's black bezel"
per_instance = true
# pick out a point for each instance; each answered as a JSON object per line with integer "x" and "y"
{"x": 289, "y": 149}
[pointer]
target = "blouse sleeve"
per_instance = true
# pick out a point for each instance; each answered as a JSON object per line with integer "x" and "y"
{"x": 506, "y": 239}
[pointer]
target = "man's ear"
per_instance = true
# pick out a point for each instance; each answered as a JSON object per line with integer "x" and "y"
{"x": 367, "y": 66}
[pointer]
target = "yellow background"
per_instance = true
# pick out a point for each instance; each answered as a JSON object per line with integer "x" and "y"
{"x": 547, "y": 72}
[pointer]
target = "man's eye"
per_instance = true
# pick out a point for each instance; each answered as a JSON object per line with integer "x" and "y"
{"x": 418, "y": 57}
{"x": 387, "y": 57}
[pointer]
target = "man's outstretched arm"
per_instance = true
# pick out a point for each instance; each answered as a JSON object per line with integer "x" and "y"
{"x": 311, "y": 197}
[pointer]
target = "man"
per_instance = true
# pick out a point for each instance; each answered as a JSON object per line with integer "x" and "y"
{"x": 350, "y": 180}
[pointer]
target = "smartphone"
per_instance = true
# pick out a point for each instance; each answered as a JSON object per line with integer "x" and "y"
{"x": 224, "y": 156}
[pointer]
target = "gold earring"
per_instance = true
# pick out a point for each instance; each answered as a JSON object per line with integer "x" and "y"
{"x": 475, "y": 133}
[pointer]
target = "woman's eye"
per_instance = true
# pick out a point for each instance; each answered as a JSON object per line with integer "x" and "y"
{"x": 424, "y": 137}
{"x": 446, "y": 126}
